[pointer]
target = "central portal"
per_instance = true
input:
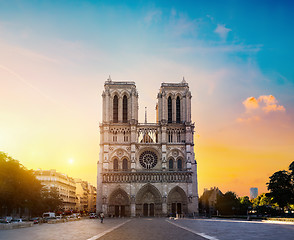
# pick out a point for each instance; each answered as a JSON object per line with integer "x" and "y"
{"x": 148, "y": 202}
{"x": 148, "y": 210}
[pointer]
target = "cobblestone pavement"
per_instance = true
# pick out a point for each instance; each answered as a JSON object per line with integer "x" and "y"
{"x": 153, "y": 228}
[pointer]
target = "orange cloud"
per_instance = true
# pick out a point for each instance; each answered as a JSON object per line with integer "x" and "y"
{"x": 251, "y": 103}
{"x": 258, "y": 106}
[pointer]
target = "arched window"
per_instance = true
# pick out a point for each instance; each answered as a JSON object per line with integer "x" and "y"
{"x": 125, "y": 164}
{"x": 169, "y": 110}
{"x": 178, "y": 110}
{"x": 171, "y": 164}
{"x": 180, "y": 165}
{"x": 115, "y": 164}
{"x": 125, "y": 109}
{"x": 115, "y": 109}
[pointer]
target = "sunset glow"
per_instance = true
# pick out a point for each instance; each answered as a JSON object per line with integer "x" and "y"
{"x": 56, "y": 55}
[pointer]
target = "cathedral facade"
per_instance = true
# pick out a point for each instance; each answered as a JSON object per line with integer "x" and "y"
{"x": 146, "y": 169}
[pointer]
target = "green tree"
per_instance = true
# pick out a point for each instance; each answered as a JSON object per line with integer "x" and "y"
{"x": 244, "y": 205}
{"x": 281, "y": 188}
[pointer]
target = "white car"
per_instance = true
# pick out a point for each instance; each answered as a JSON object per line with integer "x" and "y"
{"x": 16, "y": 220}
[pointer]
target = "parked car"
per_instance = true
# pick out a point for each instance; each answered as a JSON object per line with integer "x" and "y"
{"x": 6, "y": 219}
{"x": 36, "y": 220}
{"x": 16, "y": 220}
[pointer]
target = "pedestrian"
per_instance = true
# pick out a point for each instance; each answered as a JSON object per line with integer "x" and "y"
{"x": 101, "y": 216}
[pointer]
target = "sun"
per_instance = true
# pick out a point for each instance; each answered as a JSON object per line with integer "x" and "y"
{"x": 70, "y": 161}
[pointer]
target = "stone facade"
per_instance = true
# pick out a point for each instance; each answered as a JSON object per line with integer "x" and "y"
{"x": 146, "y": 169}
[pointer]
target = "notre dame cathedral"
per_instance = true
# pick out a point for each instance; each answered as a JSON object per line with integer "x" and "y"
{"x": 146, "y": 169}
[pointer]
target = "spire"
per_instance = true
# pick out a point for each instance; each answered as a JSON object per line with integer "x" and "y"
{"x": 145, "y": 114}
{"x": 184, "y": 81}
{"x": 109, "y": 79}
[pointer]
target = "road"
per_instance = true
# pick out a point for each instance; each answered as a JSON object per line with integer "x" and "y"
{"x": 153, "y": 228}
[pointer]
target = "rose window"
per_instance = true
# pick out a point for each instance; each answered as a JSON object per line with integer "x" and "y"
{"x": 148, "y": 159}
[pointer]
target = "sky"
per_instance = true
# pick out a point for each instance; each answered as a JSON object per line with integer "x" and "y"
{"x": 237, "y": 57}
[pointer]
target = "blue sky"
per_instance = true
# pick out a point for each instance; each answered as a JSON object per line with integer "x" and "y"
{"x": 56, "y": 55}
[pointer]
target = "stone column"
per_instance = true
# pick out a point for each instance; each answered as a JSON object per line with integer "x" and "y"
{"x": 107, "y": 107}
{"x": 164, "y": 107}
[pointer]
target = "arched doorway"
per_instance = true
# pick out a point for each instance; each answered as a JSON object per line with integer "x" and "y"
{"x": 148, "y": 201}
{"x": 119, "y": 204}
{"x": 177, "y": 201}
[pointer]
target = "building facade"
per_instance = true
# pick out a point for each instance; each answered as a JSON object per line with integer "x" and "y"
{"x": 85, "y": 196}
{"x": 65, "y": 186}
{"x": 146, "y": 169}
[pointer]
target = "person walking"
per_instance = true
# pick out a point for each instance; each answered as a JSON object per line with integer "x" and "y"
{"x": 101, "y": 217}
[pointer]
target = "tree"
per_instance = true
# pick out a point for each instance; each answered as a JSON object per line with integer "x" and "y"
{"x": 19, "y": 188}
{"x": 291, "y": 168}
{"x": 244, "y": 205}
{"x": 51, "y": 201}
{"x": 281, "y": 188}
{"x": 227, "y": 204}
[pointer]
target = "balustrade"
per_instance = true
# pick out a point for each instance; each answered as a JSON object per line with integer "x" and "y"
{"x": 114, "y": 177}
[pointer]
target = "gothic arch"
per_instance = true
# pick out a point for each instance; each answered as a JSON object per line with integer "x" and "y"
{"x": 115, "y": 110}
{"x": 120, "y": 153}
{"x": 125, "y": 93}
{"x": 171, "y": 163}
{"x": 148, "y": 201}
{"x": 177, "y": 201}
{"x": 119, "y": 203}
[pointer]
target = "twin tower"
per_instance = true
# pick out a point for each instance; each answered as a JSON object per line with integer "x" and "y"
{"x": 146, "y": 169}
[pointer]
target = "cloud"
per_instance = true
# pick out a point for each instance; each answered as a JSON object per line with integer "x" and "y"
{"x": 222, "y": 31}
{"x": 255, "y": 107}
{"x": 251, "y": 103}
{"x": 152, "y": 16}
{"x": 249, "y": 119}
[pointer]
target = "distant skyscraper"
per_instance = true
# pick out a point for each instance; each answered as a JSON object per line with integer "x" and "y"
{"x": 253, "y": 192}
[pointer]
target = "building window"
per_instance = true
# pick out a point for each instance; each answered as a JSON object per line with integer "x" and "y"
{"x": 125, "y": 109}
{"x": 179, "y": 137}
{"x": 148, "y": 159}
{"x": 126, "y": 138}
{"x": 180, "y": 165}
{"x": 115, "y": 109}
{"x": 114, "y": 137}
{"x": 178, "y": 110}
{"x": 170, "y": 137}
{"x": 115, "y": 164}
{"x": 171, "y": 164}
{"x": 169, "y": 110}
{"x": 125, "y": 164}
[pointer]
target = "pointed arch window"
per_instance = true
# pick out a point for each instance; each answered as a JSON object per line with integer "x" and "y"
{"x": 169, "y": 110}
{"x": 178, "y": 110}
{"x": 171, "y": 164}
{"x": 115, "y": 109}
{"x": 125, "y": 164}
{"x": 180, "y": 162}
{"x": 115, "y": 164}
{"x": 125, "y": 109}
